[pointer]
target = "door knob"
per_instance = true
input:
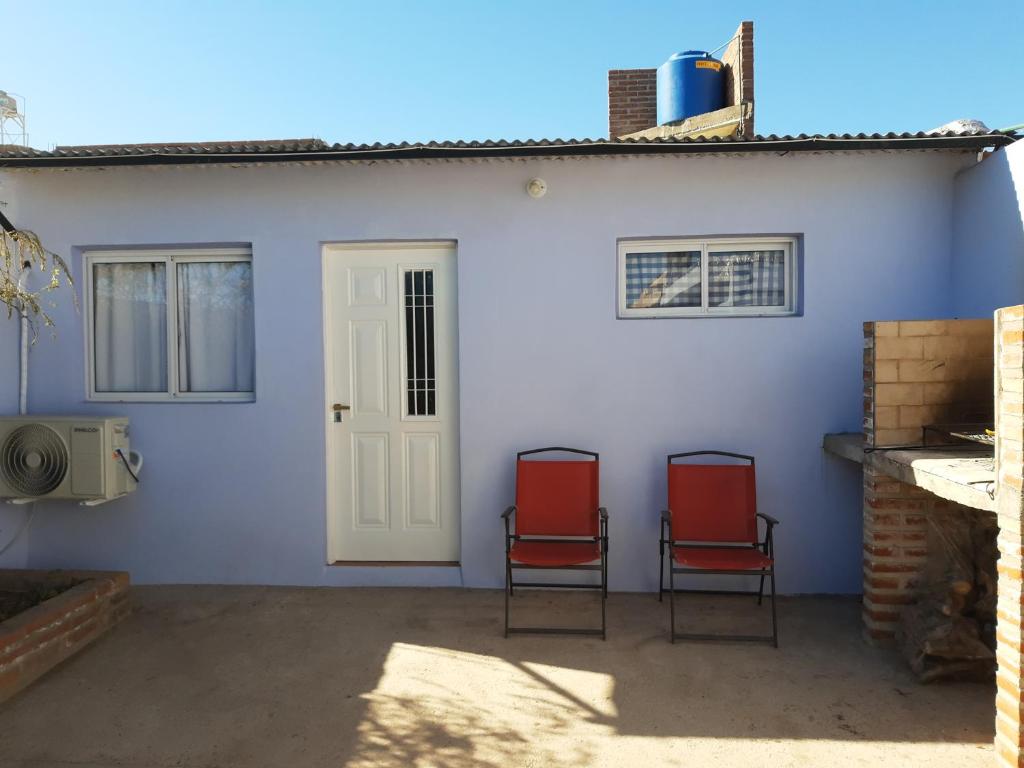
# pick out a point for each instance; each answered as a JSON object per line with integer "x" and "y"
{"x": 339, "y": 407}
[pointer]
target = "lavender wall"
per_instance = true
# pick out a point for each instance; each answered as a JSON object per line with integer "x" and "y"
{"x": 235, "y": 492}
{"x": 988, "y": 234}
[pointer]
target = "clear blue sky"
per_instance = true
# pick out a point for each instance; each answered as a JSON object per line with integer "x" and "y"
{"x": 146, "y": 70}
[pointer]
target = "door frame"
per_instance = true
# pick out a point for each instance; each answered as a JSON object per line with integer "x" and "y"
{"x": 333, "y": 492}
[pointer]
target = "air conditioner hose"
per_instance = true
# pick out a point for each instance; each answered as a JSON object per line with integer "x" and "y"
{"x": 21, "y": 528}
{"x": 134, "y": 466}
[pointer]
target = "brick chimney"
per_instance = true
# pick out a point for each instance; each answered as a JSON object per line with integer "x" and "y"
{"x": 632, "y": 93}
{"x": 632, "y": 101}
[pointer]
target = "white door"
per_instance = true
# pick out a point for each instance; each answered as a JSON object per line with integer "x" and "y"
{"x": 392, "y": 402}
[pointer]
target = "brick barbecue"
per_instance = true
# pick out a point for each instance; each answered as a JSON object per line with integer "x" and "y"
{"x": 928, "y": 378}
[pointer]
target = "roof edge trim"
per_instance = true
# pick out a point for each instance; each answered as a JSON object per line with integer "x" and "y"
{"x": 557, "y": 148}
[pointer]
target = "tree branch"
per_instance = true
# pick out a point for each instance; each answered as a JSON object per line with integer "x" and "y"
{"x": 6, "y": 223}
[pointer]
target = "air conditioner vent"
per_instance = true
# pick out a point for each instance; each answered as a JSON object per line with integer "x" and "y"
{"x": 33, "y": 459}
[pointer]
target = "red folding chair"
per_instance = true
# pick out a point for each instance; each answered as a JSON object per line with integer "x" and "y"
{"x": 710, "y": 528}
{"x": 558, "y": 525}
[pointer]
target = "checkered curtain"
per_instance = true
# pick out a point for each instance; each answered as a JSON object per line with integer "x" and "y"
{"x": 747, "y": 279}
{"x": 663, "y": 279}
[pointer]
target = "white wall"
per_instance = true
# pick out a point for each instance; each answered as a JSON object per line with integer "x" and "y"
{"x": 235, "y": 492}
{"x": 988, "y": 234}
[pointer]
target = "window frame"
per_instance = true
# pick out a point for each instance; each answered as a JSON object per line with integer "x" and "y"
{"x": 791, "y": 284}
{"x": 169, "y": 257}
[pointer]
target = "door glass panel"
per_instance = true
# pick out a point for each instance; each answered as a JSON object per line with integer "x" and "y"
{"x": 420, "y": 381}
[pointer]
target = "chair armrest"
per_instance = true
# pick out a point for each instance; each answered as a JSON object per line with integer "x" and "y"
{"x": 602, "y": 513}
{"x": 768, "y": 545}
{"x": 506, "y": 518}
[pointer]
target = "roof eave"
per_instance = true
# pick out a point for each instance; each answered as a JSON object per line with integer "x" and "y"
{"x": 546, "y": 149}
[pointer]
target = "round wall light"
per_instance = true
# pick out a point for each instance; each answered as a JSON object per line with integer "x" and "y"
{"x": 536, "y": 188}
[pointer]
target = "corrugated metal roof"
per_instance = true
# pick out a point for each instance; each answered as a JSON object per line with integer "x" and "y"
{"x": 285, "y": 150}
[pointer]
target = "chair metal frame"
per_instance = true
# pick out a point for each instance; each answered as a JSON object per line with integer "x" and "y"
{"x": 601, "y": 539}
{"x": 767, "y": 546}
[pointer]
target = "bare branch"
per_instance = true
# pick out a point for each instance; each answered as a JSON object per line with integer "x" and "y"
{"x": 21, "y": 249}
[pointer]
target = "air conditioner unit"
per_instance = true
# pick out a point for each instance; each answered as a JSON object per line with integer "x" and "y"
{"x": 65, "y": 457}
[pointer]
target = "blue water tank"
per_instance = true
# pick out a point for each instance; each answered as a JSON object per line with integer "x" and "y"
{"x": 689, "y": 83}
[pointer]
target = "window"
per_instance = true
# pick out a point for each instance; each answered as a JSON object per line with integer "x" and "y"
{"x": 166, "y": 325}
{"x": 707, "y": 278}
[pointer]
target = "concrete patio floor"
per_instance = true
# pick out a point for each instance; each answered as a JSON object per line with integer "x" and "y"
{"x": 252, "y": 676}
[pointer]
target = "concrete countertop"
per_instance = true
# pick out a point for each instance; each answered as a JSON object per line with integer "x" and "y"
{"x": 965, "y": 476}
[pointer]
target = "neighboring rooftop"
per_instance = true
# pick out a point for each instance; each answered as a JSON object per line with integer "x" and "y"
{"x": 311, "y": 149}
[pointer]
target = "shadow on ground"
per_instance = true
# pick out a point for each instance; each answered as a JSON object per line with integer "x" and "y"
{"x": 353, "y": 678}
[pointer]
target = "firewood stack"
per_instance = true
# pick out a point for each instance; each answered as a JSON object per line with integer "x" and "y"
{"x": 949, "y": 632}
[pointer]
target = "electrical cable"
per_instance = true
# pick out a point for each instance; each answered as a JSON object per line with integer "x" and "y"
{"x": 128, "y": 466}
{"x": 21, "y": 529}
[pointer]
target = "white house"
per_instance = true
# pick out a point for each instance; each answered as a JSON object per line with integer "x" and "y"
{"x": 662, "y": 295}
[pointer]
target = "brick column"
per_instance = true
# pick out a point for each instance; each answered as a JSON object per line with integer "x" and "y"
{"x": 1009, "y": 393}
{"x": 895, "y": 528}
{"x": 895, "y": 549}
{"x": 738, "y": 58}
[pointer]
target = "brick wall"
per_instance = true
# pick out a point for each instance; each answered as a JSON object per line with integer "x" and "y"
{"x": 1009, "y": 392}
{"x": 632, "y": 100}
{"x": 738, "y": 61}
{"x": 36, "y": 640}
{"x": 925, "y": 372}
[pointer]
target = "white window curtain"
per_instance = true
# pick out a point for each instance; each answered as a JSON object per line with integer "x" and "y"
{"x": 130, "y": 322}
{"x": 215, "y": 327}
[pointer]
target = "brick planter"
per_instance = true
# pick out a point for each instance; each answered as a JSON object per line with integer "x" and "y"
{"x": 38, "y": 639}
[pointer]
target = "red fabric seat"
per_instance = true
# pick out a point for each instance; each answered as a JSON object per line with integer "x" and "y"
{"x": 554, "y": 553}
{"x": 715, "y": 506}
{"x": 559, "y": 523}
{"x": 724, "y": 559}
